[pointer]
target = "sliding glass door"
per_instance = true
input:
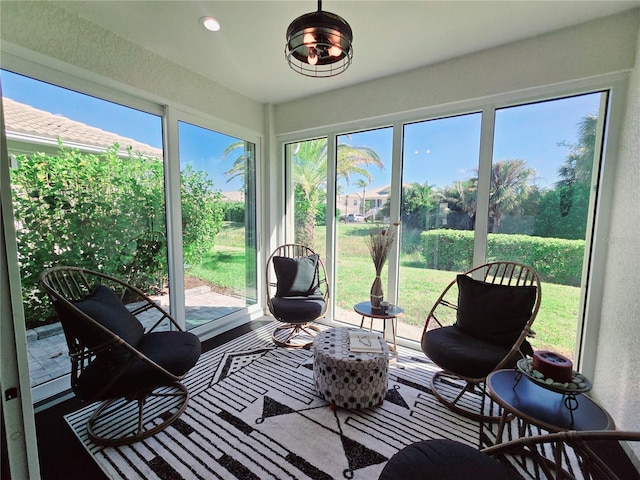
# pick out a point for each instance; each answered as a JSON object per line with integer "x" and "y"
{"x": 87, "y": 183}
{"x": 217, "y": 185}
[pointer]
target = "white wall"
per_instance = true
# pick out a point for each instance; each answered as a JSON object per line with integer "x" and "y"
{"x": 594, "y": 48}
{"x": 617, "y": 378}
{"x": 44, "y": 28}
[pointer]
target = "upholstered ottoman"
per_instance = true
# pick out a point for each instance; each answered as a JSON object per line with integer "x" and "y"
{"x": 348, "y": 379}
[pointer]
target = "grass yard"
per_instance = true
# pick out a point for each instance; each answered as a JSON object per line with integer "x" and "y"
{"x": 555, "y": 324}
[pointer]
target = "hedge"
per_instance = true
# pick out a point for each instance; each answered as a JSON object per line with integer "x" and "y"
{"x": 556, "y": 260}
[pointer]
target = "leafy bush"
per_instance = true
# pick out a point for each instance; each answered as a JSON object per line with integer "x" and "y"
{"x": 556, "y": 260}
{"x": 234, "y": 211}
{"x": 101, "y": 212}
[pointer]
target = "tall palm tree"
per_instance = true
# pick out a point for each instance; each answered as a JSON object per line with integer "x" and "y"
{"x": 576, "y": 171}
{"x": 510, "y": 184}
{"x": 363, "y": 184}
{"x": 240, "y": 162}
{"x": 309, "y": 175}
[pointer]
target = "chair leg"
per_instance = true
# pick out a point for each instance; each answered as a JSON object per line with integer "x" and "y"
{"x": 293, "y": 329}
{"x": 121, "y": 422}
{"x": 440, "y": 379}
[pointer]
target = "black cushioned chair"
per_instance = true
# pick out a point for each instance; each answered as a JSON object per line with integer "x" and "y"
{"x": 297, "y": 292}
{"x": 565, "y": 455}
{"x": 480, "y": 323}
{"x": 113, "y": 359}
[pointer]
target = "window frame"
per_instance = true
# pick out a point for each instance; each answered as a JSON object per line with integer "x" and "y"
{"x": 64, "y": 76}
{"x": 612, "y": 85}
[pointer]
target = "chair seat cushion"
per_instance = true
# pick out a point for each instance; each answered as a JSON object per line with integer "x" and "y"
{"x": 453, "y": 350}
{"x": 176, "y": 352}
{"x": 298, "y": 309}
{"x": 444, "y": 460}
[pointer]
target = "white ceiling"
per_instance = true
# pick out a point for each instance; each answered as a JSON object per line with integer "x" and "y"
{"x": 247, "y": 54}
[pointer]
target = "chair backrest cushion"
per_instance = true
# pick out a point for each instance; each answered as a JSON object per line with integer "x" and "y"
{"x": 492, "y": 312}
{"x": 106, "y": 308}
{"x": 296, "y": 276}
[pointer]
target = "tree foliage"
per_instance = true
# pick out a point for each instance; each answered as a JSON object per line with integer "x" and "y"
{"x": 102, "y": 212}
{"x": 309, "y": 174}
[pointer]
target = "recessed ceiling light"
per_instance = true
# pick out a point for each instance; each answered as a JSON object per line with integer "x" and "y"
{"x": 210, "y": 23}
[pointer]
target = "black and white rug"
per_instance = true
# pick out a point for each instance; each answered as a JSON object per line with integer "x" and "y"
{"x": 254, "y": 414}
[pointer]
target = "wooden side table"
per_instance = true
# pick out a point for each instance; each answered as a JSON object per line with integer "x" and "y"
{"x": 392, "y": 313}
{"x": 543, "y": 408}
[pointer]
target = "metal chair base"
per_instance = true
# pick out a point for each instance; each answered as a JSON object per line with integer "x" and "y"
{"x": 294, "y": 329}
{"x": 130, "y": 425}
{"x": 454, "y": 405}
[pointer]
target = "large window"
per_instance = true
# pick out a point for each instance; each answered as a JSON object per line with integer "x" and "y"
{"x": 437, "y": 211}
{"x": 86, "y": 194}
{"x": 510, "y": 183}
{"x": 363, "y": 176}
{"x": 543, "y": 169}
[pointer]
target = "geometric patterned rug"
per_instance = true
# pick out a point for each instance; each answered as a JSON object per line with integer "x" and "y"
{"x": 253, "y": 414}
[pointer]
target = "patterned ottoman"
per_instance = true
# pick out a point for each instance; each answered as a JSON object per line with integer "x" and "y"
{"x": 348, "y": 379}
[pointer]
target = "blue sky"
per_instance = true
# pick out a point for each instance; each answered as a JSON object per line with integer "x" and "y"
{"x": 438, "y": 152}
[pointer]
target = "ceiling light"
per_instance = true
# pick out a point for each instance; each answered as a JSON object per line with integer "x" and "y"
{"x": 319, "y": 44}
{"x": 210, "y": 23}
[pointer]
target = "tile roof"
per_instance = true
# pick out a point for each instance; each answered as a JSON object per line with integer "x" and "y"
{"x": 24, "y": 120}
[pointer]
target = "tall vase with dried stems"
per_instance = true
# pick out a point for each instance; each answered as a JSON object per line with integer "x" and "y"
{"x": 379, "y": 242}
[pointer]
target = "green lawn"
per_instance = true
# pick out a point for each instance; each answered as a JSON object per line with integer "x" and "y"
{"x": 555, "y": 324}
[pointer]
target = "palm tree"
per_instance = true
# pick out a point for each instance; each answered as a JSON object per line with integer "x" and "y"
{"x": 418, "y": 202}
{"x": 576, "y": 171}
{"x": 309, "y": 174}
{"x": 510, "y": 184}
{"x": 362, "y": 183}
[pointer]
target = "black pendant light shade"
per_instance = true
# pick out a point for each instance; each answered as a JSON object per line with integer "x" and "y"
{"x": 319, "y": 44}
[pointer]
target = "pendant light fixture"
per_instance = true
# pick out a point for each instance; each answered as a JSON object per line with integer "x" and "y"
{"x": 319, "y": 44}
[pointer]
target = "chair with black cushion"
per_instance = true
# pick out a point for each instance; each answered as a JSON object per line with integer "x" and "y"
{"x": 566, "y": 455}
{"x": 480, "y": 323}
{"x": 134, "y": 373}
{"x": 297, "y": 292}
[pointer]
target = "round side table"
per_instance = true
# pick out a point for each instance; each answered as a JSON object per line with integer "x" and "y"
{"x": 543, "y": 408}
{"x": 392, "y": 313}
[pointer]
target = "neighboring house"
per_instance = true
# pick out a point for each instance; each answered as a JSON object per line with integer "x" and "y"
{"x": 374, "y": 198}
{"x": 30, "y": 129}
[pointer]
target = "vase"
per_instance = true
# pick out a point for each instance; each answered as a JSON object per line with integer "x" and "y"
{"x": 377, "y": 295}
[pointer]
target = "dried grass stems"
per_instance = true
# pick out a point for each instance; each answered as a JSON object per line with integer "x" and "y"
{"x": 379, "y": 242}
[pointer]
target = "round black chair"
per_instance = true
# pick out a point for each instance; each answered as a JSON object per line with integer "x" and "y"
{"x": 114, "y": 360}
{"x": 297, "y": 292}
{"x": 480, "y": 323}
{"x": 565, "y": 455}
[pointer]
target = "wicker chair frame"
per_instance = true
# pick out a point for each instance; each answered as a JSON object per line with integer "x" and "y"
{"x": 443, "y": 314}
{"x": 66, "y": 285}
{"x": 284, "y": 334}
{"x": 569, "y": 455}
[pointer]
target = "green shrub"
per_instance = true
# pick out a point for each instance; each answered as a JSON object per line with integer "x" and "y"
{"x": 556, "y": 260}
{"x": 105, "y": 213}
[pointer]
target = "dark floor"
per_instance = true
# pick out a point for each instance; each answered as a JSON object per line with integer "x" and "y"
{"x": 61, "y": 454}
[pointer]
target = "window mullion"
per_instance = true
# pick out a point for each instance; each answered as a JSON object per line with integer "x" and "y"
{"x": 484, "y": 183}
